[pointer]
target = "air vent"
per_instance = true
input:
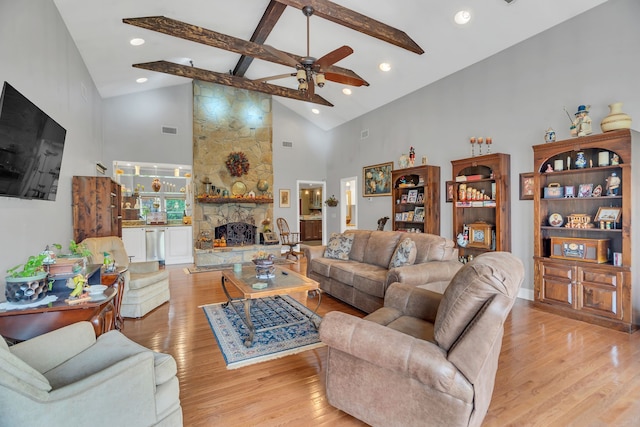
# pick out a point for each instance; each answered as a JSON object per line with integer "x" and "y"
{"x": 287, "y": 144}
{"x": 169, "y": 130}
{"x": 364, "y": 134}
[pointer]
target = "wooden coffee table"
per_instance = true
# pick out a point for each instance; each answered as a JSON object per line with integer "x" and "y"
{"x": 285, "y": 282}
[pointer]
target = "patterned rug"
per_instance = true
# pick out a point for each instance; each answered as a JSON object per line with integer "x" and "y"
{"x": 206, "y": 268}
{"x": 231, "y": 332}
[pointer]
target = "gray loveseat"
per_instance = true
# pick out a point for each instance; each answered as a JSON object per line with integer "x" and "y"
{"x": 362, "y": 279}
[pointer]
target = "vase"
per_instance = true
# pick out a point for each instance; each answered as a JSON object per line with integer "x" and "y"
{"x": 156, "y": 185}
{"x": 616, "y": 119}
{"x": 25, "y": 290}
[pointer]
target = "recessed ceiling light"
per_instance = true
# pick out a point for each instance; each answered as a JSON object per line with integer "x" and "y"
{"x": 141, "y": 80}
{"x": 346, "y": 91}
{"x": 136, "y": 42}
{"x": 385, "y": 66}
{"x": 462, "y": 17}
{"x": 315, "y": 111}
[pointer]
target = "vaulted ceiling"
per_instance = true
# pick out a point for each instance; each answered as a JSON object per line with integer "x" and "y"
{"x": 103, "y": 40}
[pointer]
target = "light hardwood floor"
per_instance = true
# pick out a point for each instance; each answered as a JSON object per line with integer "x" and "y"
{"x": 553, "y": 371}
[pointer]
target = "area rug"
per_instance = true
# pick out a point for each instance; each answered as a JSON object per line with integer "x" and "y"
{"x": 231, "y": 332}
{"x": 207, "y": 268}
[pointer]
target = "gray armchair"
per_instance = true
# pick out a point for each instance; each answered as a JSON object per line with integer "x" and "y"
{"x": 146, "y": 286}
{"x": 67, "y": 377}
{"x": 424, "y": 358}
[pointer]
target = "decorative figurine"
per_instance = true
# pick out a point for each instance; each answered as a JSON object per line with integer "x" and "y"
{"x": 412, "y": 157}
{"x": 613, "y": 182}
{"x": 480, "y": 140}
{"x": 550, "y": 135}
{"x": 472, "y": 141}
{"x": 549, "y": 168}
{"x": 615, "y": 159}
{"x": 580, "y": 162}
{"x": 403, "y": 162}
{"x": 582, "y": 122}
{"x": 489, "y": 141}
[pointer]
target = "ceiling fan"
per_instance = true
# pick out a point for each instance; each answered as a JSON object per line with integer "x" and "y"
{"x": 311, "y": 70}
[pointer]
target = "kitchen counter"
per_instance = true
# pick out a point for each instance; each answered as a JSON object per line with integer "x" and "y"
{"x": 143, "y": 223}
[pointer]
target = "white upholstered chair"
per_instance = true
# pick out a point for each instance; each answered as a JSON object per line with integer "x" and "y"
{"x": 68, "y": 377}
{"x": 146, "y": 286}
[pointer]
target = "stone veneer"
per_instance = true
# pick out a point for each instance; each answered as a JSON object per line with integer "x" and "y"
{"x": 226, "y": 120}
{"x": 231, "y": 255}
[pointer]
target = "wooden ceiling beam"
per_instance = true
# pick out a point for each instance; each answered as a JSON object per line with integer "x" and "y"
{"x": 356, "y": 21}
{"x": 269, "y": 19}
{"x": 229, "y": 80}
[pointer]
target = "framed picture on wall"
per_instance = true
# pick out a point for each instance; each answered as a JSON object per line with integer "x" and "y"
{"x": 526, "y": 186}
{"x": 285, "y": 198}
{"x": 376, "y": 180}
{"x": 449, "y": 198}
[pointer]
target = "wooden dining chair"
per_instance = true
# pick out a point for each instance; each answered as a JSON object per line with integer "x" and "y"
{"x": 288, "y": 238}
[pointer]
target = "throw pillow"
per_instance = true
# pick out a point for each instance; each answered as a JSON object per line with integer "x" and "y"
{"x": 339, "y": 246}
{"x": 405, "y": 254}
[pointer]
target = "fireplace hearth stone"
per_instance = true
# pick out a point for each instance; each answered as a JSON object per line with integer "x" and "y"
{"x": 233, "y": 254}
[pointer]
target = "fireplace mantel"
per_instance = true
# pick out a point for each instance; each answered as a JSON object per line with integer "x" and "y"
{"x": 227, "y": 200}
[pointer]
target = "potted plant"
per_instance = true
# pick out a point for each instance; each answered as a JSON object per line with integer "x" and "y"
{"x": 331, "y": 201}
{"x": 72, "y": 262}
{"x": 28, "y": 282}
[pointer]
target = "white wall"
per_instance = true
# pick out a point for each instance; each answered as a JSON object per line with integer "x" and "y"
{"x": 306, "y": 161}
{"x": 133, "y": 123}
{"x": 513, "y": 97}
{"x": 41, "y": 61}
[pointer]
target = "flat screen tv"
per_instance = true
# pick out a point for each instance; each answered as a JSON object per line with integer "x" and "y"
{"x": 31, "y": 145}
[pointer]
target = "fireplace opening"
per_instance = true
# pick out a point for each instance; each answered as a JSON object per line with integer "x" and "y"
{"x": 237, "y": 233}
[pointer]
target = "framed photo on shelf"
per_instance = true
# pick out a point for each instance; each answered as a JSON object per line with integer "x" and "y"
{"x": 285, "y": 198}
{"x": 526, "y": 186}
{"x": 398, "y": 216}
{"x": 405, "y": 215}
{"x": 420, "y": 199}
{"x": 608, "y": 213}
{"x": 403, "y": 198}
{"x": 585, "y": 190}
{"x": 412, "y": 196}
{"x": 450, "y": 187}
{"x": 418, "y": 214}
{"x": 410, "y": 216}
{"x": 376, "y": 180}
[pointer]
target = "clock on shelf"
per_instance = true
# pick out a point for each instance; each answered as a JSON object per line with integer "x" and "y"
{"x": 480, "y": 235}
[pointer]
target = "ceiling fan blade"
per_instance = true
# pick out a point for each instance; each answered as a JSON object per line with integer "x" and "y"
{"x": 229, "y": 80}
{"x": 276, "y": 77}
{"x": 334, "y": 56}
{"x": 356, "y": 21}
{"x": 172, "y": 27}
{"x": 347, "y": 80}
{"x": 291, "y": 61}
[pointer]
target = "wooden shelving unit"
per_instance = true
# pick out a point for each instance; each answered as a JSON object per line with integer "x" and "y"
{"x": 97, "y": 207}
{"x": 574, "y": 274}
{"x": 485, "y": 206}
{"x": 416, "y": 199}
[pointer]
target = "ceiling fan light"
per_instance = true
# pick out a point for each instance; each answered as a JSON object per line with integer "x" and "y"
{"x": 301, "y": 75}
{"x": 302, "y": 87}
{"x": 320, "y": 80}
{"x": 462, "y": 17}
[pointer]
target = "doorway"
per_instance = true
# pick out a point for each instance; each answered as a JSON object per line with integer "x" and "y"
{"x": 348, "y": 210}
{"x": 312, "y": 212}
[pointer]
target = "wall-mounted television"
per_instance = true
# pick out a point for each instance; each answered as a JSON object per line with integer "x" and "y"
{"x": 31, "y": 145}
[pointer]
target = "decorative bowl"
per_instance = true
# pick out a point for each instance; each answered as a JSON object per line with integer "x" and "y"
{"x": 97, "y": 289}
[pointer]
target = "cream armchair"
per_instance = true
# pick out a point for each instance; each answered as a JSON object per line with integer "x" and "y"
{"x": 145, "y": 285}
{"x": 67, "y": 377}
{"x": 424, "y": 358}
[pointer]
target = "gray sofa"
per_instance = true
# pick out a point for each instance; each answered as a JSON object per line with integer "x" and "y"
{"x": 362, "y": 279}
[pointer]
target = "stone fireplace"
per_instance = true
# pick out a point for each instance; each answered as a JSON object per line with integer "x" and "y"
{"x": 228, "y": 120}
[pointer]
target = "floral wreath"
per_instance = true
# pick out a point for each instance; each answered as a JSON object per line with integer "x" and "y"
{"x": 237, "y": 164}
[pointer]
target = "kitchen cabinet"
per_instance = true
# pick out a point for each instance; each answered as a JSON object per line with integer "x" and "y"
{"x": 481, "y": 204}
{"x": 178, "y": 245}
{"x": 416, "y": 199}
{"x": 310, "y": 229}
{"x": 574, "y": 270}
{"x": 134, "y": 243}
{"x": 96, "y": 206}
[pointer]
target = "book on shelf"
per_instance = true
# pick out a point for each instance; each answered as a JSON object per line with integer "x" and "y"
{"x": 465, "y": 178}
{"x": 410, "y": 216}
